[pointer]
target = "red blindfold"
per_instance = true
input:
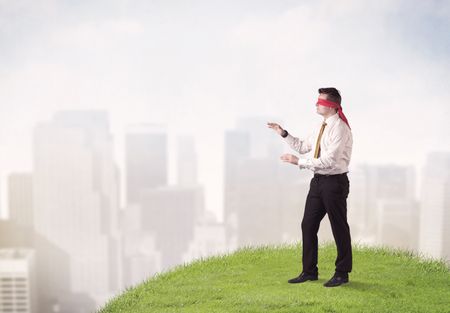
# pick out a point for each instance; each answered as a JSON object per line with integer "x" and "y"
{"x": 335, "y": 105}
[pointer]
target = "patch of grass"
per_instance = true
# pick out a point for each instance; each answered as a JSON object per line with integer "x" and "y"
{"x": 254, "y": 279}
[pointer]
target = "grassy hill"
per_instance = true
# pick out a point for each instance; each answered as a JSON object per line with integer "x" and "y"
{"x": 255, "y": 280}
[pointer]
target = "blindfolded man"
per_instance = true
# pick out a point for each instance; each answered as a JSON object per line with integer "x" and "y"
{"x": 331, "y": 141}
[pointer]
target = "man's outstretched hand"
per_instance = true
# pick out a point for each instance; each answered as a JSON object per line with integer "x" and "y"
{"x": 289, "y": 158}
{"x": 285, "y": 157}
{"x": 275, "y": 127}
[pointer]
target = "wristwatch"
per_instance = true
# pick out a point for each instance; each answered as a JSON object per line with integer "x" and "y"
{"x": 284, "y": 133}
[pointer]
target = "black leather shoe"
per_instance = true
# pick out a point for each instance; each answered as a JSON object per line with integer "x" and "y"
{"x": 302, "y": 278}
{"x": 336, "y": 280}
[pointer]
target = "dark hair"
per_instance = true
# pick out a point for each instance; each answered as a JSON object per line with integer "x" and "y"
{"x": 332, "y": 94}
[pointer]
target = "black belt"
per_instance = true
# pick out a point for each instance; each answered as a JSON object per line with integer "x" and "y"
{"x": 323, "y": 175}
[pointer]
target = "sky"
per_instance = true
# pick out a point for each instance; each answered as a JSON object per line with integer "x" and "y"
{"x": 197, "y": 66}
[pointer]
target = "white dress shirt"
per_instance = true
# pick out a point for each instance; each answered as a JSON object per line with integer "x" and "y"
{"x": 335, "y": 147}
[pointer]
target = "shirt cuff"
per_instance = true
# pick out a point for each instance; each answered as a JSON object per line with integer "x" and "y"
{"x": 302, "y": 161}
{"x": 289, "y": 139}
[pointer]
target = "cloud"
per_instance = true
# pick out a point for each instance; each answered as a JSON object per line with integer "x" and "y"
{"x": 196, "y": 64}
{"x": 98, "y": 33}
{"x": 358, "y": 47}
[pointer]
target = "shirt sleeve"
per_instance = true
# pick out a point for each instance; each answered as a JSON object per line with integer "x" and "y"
{"x": 329, "y": 157}
{"x": 300, "y": 144}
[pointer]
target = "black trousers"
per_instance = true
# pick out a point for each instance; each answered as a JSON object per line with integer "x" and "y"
{"x": 327, "y": 195}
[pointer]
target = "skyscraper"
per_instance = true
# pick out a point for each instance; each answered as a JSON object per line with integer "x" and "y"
{"x": 187, "y": 168}
{"x": 435, "y": 205}
{"x": 378, "y": 190}
{"x": 20, "y": 198}
{"x": 75, "y": 197}
{"x": 237, "y": 147}
{"x": 262, "y": 195}
{"x": 17, "y": 281}
{"x": 146, "y": 159}
{"x": 170, "y": 213}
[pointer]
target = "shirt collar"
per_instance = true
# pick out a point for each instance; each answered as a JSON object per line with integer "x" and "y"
{"x": 331, "y": 119}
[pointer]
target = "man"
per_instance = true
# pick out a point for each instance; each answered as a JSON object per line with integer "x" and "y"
{"x": 329, "y": 188}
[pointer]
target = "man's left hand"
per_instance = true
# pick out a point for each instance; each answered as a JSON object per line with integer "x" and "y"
{"x": 289, "y": 158}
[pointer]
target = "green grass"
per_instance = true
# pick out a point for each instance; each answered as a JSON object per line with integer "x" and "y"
{"x": 255, "y": 280}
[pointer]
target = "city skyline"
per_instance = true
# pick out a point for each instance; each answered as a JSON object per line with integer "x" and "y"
{"x": 213, "y": 180}
{"x": 198, "y": 68}
{"x": 67, "y": 209}
{"x": 247, "y": 132}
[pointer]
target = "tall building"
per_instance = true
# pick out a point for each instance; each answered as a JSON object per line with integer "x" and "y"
{"x": 356, "y": 204}
{"x": 271, "y": 201}
{"x": 264, "y": 198}
{"x": 75, "y": 198}
{"x": 382, "y": 198}
{"x": 169, "y": 213}
{"x": 265, "y": 144}
{"x": 53, "y": 293}
{"x": 209, "y": 239}
{"x": 146, "y": 159}
{"x": 158, "y": 222}
{"x": 20, "y": 198}
{"x": 435, "y": 206}
{"x": 237, "y": 147}
{"x": 141, "y": 259}
{"x": 158, "y": 230}
{"x": 17, "y": 281}
{"x": 398, "y": 223}
{"x": 187, "y": 167}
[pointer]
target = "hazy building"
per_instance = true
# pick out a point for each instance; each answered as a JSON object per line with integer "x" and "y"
{"x": 271, "y": 202}
{"x": 17, "y": 281}
{"x": 74, "y": 303}
{"x": 376, "y": 190}
{"x": 264, "y": 197}
{"x": 292, "y": 200}
{"x": 20, "y": 198}
{"x": 187, "y": 167}
{"x": 169, "y": 214}
{"x": 398, "y": 223}
{"x": 259, "y": 193}
{"x": 265, "y": 143}
{"x": 209, "y": 239}
{"x": 237, "y": 147}
{"x": 75, "y": 198}
{"x": 49, "y": 259}
{"x": 357, "y": 211}
{"x": 54, "y": 294}
{"x": 159, "y": 220}
{"x": 157, "y": 232}
{"x": 187, "y": 172}
{"x": 14, "y": 235}
{"x": 141, "y": 259}
{"x": 146, "y": 159}
{"x": 435, "y": 206}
